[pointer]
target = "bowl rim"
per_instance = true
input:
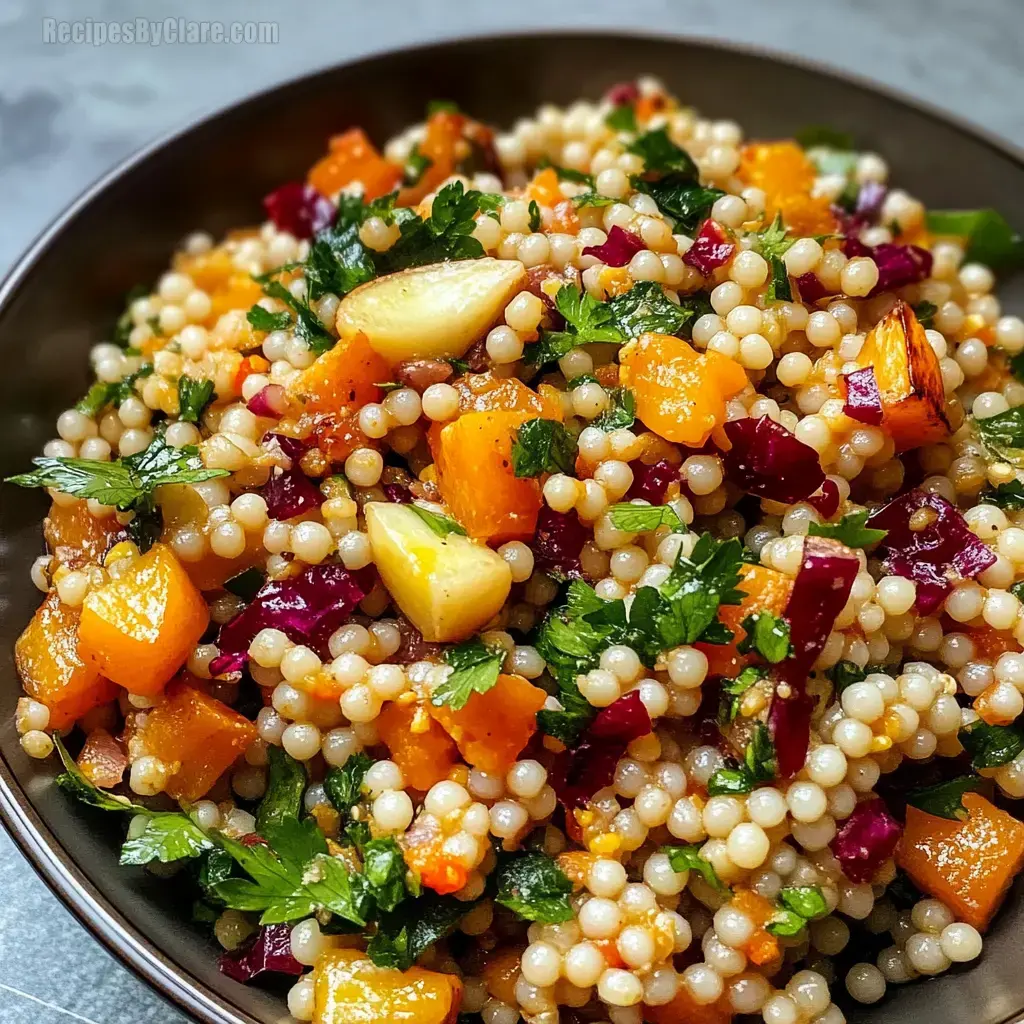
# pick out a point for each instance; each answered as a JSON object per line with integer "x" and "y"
{"x": 33, "y": 838}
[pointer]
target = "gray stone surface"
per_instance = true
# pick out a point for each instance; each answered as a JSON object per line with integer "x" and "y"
{"x": 70, "y": 112}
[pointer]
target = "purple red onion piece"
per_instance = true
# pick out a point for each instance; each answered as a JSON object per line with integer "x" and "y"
{"x": 298, "y": 209}
{"x": 618, "y": 250}
{"x": 929, "y": 542}
{"x": 769, "y": 461}
{"x": 825, "y": 501}
{"x": 652, "y": 482}
{"x": 308, "y": 608}
{"x": 819, "y": 593}
{"x": 811, "y": 289}
{"x": 290, "y": 493}
{"x": 863, "y": 400}
{"x": 271, "y": 950}
{"x": 268, "y": 401}
{"x": 558, "y": 542}
{"x": 579, "y": 772}
{"x": 866, "y": 840}
{"x": 711, "y": 249}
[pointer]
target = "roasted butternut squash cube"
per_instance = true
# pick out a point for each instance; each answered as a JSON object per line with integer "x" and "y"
{"x": 436, "y": 311}
{"x": 140, "y": 627}
{"x": 680, "y": 393}
{"x": 909, "y": 379}
{"x": 449, "y": 586}
{"x": 51, "y": 668}
{"x": 76, "y": 537}
{"x": 350, "y": 989}
{"x": 353, "y": 157}
{"x": 477, "y": 480}
{"x": 786, "y": 175}
{"x": 348, "y": 375}
{"x": 968, "y": 864}
{"x": 197, "y": 733}
{"x": 418, "y": 744}
{"x": 492, "y": 728}
{"x": 684, "y": 1010}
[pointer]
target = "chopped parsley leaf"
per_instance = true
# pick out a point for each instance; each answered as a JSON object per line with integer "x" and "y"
{"x": 850, "y": 530}
{"x": 543, "y": 446}
{"x": 475, "y": 669}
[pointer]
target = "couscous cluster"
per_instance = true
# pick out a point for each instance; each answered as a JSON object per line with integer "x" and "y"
{"x": 565, "y": 574}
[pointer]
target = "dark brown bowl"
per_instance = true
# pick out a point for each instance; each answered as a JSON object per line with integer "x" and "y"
{"x": 66, "y": 292}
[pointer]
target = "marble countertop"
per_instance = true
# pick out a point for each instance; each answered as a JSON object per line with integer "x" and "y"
{"x": 70, "y": 112}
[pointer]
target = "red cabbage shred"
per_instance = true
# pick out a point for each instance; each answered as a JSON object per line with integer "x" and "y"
{"x": 299, "y": 209}
{"x": 944, "y": 550}
{"x": 769, "y": 461}
{"x": 898, "y": 265}
{"x": 710, "y": 250}
{"x": 863, "y": 400}
{"x": 307, "y": 608}
{"x": 618, "y": 250}
{"x": 579, "y": 772}
{"x": 866, "y": 840}
{"x": 271, "y": 950}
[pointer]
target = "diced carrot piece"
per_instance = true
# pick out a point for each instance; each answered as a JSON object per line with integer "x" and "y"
{"x": 423, "y": 847}
{"x": 608, "y": 949}
{"x": 346, "y": 376}
{"x": 785, "y": 174}
{"x": 210, "y": 271}
{"x": 500, "y": 973}
{"x": 766, "y": 590}
{"x": 51, "y": 669}
{"x": 350, "y": 989}
{"x": 989, "y": 643}
{"x": 352, "y": 157}
{"x": 909, "y": 379}
{"x": 968, "y": 864}
{"x": 987, "y": 706}
{"x": 199, "y": 734}
{"x": 440, "y": 145}
{"x": 680, "y": 393}
{"x": 426, "y": 755}
{"x": 544, "y": 188}
{"x": 575, "y": 865}
{"x": 492, "y": 728}
{"x": 477, "y": 480}
{"x": 76, "y": 537}
{"x": 683, "y": 1010}
{"x": 102, "y": 759}
{"x": 240, "y": 291}
{"x": 139, "y": 628}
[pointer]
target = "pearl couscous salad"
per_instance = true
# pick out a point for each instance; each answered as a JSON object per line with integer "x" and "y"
{"x": 569, "y": 575}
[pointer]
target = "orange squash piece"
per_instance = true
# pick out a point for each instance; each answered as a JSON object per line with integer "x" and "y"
{"x": 353, "y": 157}
{"x": 423, "y": 848}
{"x": 425, "y": 757}
{"x": 337, "y": 434}
{"x": 500, "y": 973}
{"x": 680, "y": 393}
{"x": 766, "y": 590}
{"x": 483, "y": 392}
{"x": 494, "y": 727}
{"x": 576, "y": 865}
{"x": 909, "y": 379}
{"x": 989, "y": 643}
{"x": 76, "y": 537}
{"x": 969, "y": 864}
{"x": 139, "y": 628}
{"x": 350, "y": 989}
{"x": 239, "y": 291}
{"x": 198, "y": 733}
{"x": 51, "y": 668}
{"x": 544, "y": 188}
{"x": 347, "y": 375}
{"x": 683, "y": 1010}
{"x": 477, "y": 481}
{"x": 441, "y": 145}
{"x": 787, "y": 176}
{"x": 102, "y": 759}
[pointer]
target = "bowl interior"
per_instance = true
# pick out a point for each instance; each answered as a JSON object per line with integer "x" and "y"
{"x": 66, "y": 296}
